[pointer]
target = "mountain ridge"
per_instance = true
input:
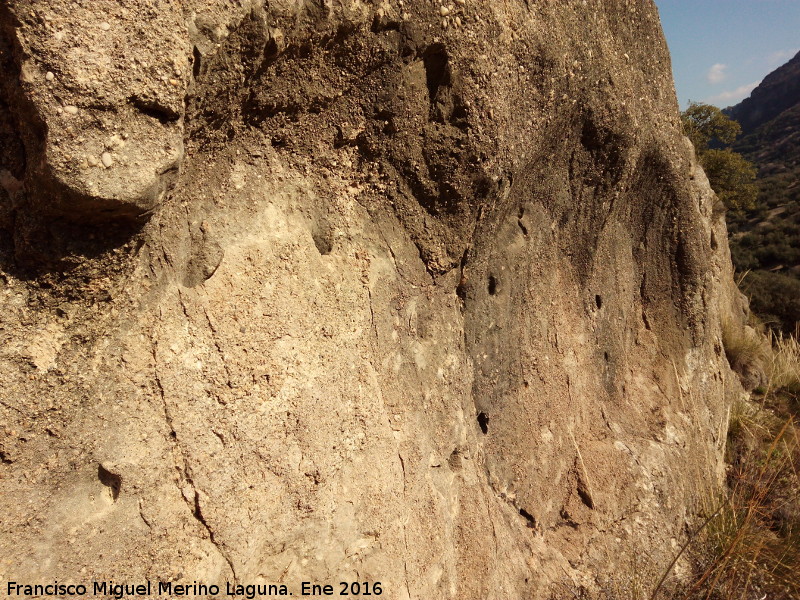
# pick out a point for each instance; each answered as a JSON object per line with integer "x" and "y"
{"x": 778, "y": 91}
{"x": 765, "y": 241}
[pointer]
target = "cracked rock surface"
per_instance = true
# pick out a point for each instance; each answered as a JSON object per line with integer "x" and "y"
{"x": 417, "y": 293}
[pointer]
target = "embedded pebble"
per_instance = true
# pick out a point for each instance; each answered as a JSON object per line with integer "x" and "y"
{"x": 71, "y": 110}
{"x": 106, "y": 159}
{"x": 105, "y": 26}
{"x": 50, "y": 76}
{"x": 444, "y": 11}
{"x": 92, "y": 161}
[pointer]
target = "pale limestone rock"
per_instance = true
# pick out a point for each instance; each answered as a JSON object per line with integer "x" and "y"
{"x": 444, "y": 323}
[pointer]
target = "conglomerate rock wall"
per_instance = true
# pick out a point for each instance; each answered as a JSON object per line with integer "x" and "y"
{"x": 404, "y": 292}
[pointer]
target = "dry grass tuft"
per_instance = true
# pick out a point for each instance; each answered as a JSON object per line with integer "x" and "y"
{"x": 751, "y": 546}
{"x": 747, "y": 350}
{"x": 783, "y": 369}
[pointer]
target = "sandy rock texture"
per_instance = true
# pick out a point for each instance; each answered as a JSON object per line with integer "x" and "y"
{"x": 405, "y": 292}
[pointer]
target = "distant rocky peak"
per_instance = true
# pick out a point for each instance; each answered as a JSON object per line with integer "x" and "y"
{"x": 779, "y": 91}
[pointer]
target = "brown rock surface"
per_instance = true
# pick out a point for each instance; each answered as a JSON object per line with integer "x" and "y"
{"x": 433, "y": 301}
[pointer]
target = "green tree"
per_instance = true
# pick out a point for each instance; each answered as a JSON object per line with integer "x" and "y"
{"x": 703, "y": 123}
{"x": 731, "y": 176}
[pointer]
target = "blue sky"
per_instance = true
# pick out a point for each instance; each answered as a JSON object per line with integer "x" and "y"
{"x": 721, "y": 49}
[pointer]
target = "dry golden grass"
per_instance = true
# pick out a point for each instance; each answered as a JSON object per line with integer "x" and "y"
{"x": 783, "y": 367}
{"x": 744, "y": 346}
{"x": 751, "y": 546}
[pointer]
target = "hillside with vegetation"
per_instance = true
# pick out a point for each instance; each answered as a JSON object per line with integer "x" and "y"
{"x": 765, "y": 241}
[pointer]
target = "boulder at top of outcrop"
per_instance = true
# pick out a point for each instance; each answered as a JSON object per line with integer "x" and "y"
{"x": 100, "y": 102}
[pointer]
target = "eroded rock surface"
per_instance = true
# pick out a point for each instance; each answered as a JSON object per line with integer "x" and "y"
{"x": 425, "y": 294}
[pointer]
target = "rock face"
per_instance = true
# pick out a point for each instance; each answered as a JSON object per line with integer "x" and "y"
{"x": 434, "y": 300}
